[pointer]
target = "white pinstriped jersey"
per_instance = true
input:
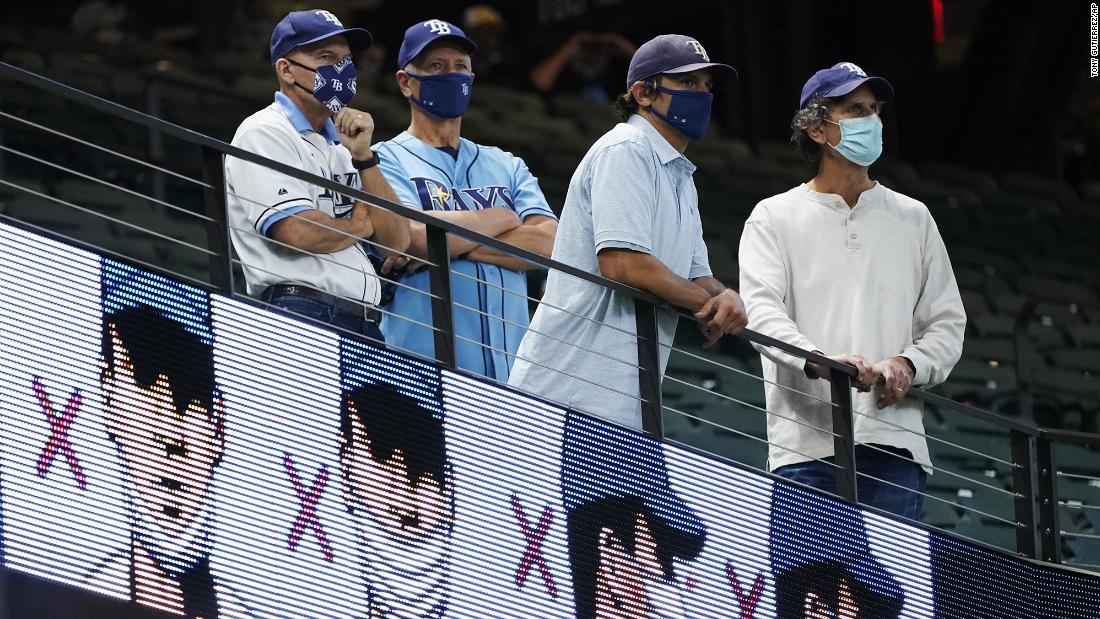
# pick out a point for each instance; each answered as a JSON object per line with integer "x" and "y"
{"x": 258, "y": 197}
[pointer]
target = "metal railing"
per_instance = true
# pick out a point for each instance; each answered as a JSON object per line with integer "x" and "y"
{"x": 1031, "y": 459}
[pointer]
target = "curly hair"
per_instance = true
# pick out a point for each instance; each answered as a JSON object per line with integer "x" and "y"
{"x": 812, "y": 115}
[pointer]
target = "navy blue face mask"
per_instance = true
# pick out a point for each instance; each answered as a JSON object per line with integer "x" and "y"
{"x": 446, "y": 95}
{"x": 334, "y": 84}
{"x": 688, "y": 111}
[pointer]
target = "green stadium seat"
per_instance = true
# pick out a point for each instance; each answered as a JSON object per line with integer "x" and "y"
{"x": 953, "y": 174}
{"x": 1086, "y": 336}
{"x": 1000, "y": 350}
{"x": 1058, "y": 290}
{"x": 1067, "y": 382}
{"x": 936, "y": 513}
{"x": 1030, "y": 185}
{"x": 1084, "y": 360}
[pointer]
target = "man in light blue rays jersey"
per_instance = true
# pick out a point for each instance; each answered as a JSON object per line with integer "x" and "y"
{"x": 480, "y": 187}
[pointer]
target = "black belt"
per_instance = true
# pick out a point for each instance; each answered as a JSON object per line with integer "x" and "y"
{"x": 358, "y": 309}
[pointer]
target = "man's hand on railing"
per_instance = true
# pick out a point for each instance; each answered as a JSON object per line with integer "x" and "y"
{"x": 897, "y": 378}
{"x": 722, "y": 314}
{"x": 866, "y": 375}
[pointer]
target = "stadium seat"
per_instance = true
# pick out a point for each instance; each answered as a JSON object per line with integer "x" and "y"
{"x": 1000, "y": 350}
{"x": 953, "y": 174}
{"x": 1086, "y": 336}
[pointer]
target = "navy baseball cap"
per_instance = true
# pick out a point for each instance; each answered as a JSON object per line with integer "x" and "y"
{"x": 841, "y": 79}
{"x": 422, "y": 34}
{"x": 675, "y": 53}
{"x": 305, "y": 27}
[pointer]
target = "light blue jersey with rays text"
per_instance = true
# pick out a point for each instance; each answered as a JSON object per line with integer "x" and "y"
{"x": 490, "y": 305}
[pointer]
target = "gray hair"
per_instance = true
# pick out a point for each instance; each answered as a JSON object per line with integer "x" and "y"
{"x": 809, "y": 117}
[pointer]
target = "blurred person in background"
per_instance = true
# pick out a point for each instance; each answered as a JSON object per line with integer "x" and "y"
{"x": 498, "y": 62}
{"x": 589, "y": 64}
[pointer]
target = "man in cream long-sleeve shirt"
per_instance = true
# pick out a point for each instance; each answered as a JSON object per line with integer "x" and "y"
{"x": 849, "y": 268}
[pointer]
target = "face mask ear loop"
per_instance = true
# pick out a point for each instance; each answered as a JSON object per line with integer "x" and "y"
{"x": 830, "y": 120}
{"x": 300, "y": 65}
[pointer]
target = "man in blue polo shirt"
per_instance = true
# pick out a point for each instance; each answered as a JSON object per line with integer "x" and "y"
{"x": 632, "y": 215}
{"x": 479, "y": 187}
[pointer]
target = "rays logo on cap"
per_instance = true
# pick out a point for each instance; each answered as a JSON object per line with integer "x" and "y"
{"x": 853, "y": 68}
{"x": 329, "y": 17}
{"x": 698, "y": 48}
{"x": 438, "y": 26}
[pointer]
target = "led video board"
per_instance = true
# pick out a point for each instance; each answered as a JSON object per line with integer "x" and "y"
{"x": 209, "y": 458}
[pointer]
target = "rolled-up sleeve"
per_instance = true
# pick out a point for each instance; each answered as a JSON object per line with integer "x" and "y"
{"x": 763, "y": 281}
{"x": 939, "y": 320}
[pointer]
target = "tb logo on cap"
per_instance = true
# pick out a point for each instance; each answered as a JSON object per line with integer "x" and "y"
{"x": 330, "y": 18}
{"x": 853, "y": 68}
{"x": 438, "y": 26}
{"x": 697, "y": 47}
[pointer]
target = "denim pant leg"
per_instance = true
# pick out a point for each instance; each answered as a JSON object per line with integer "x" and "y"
{"x": 899, "y": 484}
{"x": 905, "y": 501}
{"x": 814, "y": 473}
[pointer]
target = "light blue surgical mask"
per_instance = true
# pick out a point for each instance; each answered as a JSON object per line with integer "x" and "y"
{"x": 860, "y": 139}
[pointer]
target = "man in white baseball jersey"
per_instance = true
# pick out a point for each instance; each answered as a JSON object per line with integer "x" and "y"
{"x": 480, "y": 187}
{"x": 300, "y": 245}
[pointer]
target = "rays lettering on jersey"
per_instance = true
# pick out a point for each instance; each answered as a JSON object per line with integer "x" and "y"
{"x": 341, "y": 204}
{"x": 435, "y": 196}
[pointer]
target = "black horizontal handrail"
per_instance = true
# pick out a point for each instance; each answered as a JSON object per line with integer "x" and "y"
{"x": 194, "y": 137}
{"x": 151, "y": 122}
{"x": 1072, "y": 436}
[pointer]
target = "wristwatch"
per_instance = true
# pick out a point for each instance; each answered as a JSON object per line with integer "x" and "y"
{"x": 365, "y": 164}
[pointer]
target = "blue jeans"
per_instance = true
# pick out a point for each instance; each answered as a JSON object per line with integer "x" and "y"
{"x": 311, "y": 309}
{"x": 895, "y": 466}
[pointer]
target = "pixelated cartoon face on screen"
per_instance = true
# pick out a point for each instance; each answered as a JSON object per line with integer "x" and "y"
{"x": 161, "y": 405}
{"x": 626, "y": 528}
{"x": 398, "y": 485}
{"x": 162, "y": 409}
{"x": 394, "y": 461}
{"x": 822, "y": 562}
{"x": 624, "y": 552}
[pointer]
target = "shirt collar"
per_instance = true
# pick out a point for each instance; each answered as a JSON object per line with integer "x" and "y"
{"x": 834, "y": 200}
{"x": 665, "y": 152}
{"x": 298, "y": 119}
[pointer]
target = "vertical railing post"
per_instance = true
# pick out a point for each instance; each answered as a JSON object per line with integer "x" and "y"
{"x": 844, "y": 437}
{"x": 1023, "y": 487}
{"x": 217, "y": 228}
{"x": 1050, "y": 534}
{"x": 649, "y": 364}
{"x": 439, "y": 278}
